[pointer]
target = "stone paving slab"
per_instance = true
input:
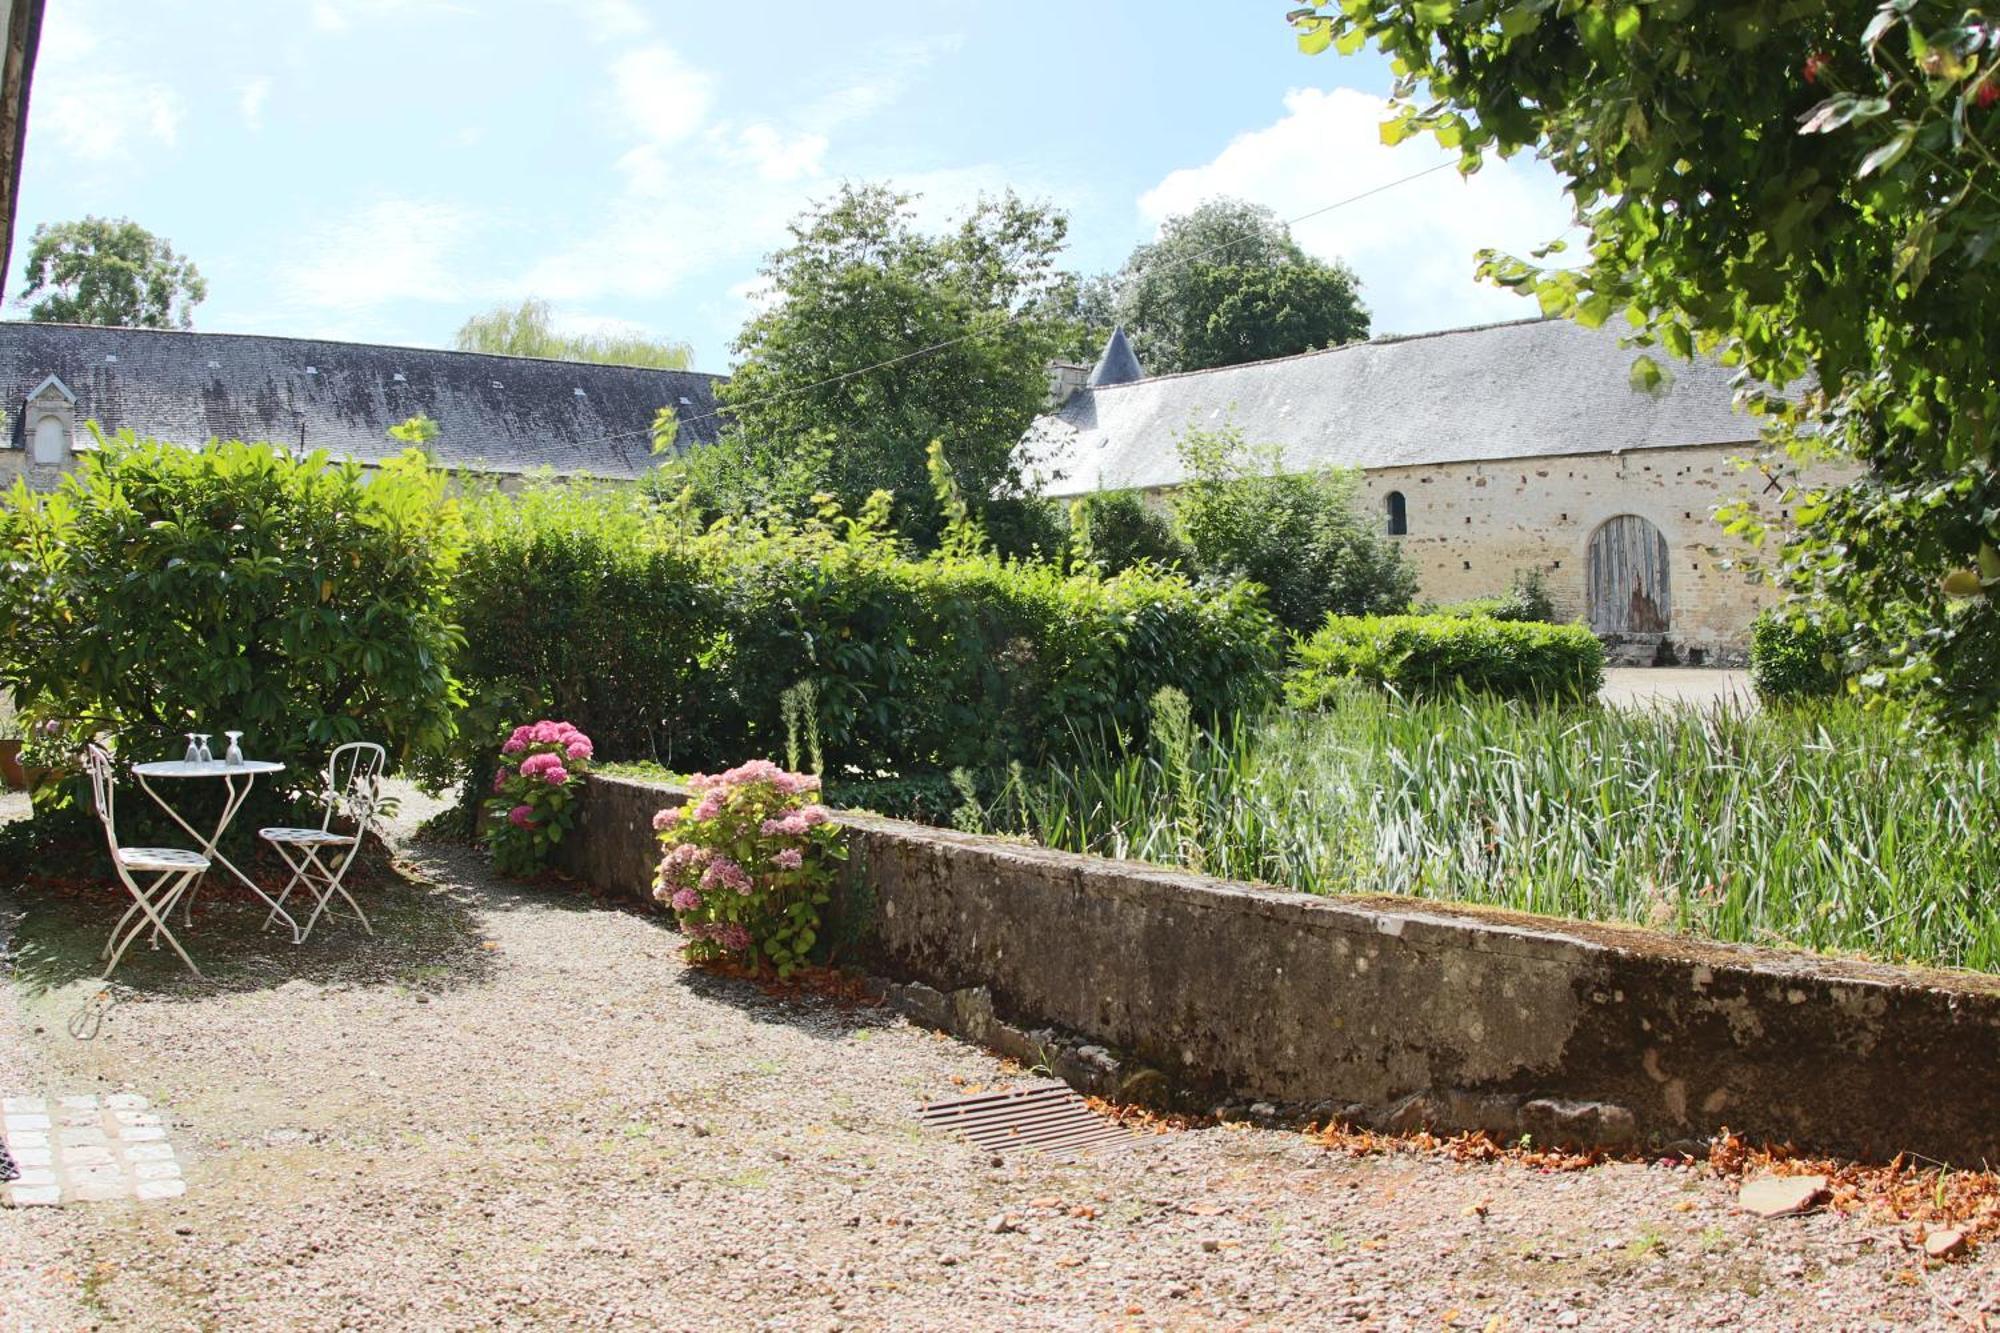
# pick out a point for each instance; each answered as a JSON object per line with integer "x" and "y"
{"x": 87, "y": 1149}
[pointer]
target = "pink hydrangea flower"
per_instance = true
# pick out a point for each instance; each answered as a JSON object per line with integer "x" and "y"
{"x": 733, "y": 938}
{"x": 666, "y": 818}
{"x": 556, "y": 776}
{"x": 578, "y": 749}
{"x": 791, "y": 858}
{"x": 686, "y": 900}
{"x": 514, "y": 745}
{"x": 500, "y": 777}
{"x": 723, "y": 873}
{"x": 685, "y": 856}
{"x": 786, "y": 826}
{"x": 521, "y": 816}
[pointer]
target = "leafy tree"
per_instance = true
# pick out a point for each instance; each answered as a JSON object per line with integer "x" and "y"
{"x": 109, "y": 271}
{"x": 959, "y": 324}
{"x": 1087, "y": 310}
{"x": 528, "y": 329}
{"x": 1301, "y": 535}
{"x": 1807, "y": 191}
{"x": 1226, "y": 284}
{"x": 1116, "y": 530}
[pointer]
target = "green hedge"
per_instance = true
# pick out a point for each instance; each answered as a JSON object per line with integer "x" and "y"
{"x": 1792, "y": 658}
{"x": 1527, "y": 598}
{"x": 160, "y": 590}
{"x": 1420, "y": 655}
{"x": 664, "y": 641}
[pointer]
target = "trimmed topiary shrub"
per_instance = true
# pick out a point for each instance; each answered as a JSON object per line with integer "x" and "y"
{"x": 1792, "y": 658}
{"x": 1420, "y": 655}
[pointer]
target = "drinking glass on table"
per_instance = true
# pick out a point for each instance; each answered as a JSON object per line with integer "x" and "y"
{"x": 234, "y": 755}
{"x": 204, "y": 757}
{"x": 194, "y": 751}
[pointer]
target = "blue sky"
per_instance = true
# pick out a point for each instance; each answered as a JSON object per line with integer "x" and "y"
{"x": 379, "y": 169}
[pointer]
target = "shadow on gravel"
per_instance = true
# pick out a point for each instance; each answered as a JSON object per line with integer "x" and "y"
{"x": 824, "y": 1004}
{"x": 424, "y": 936}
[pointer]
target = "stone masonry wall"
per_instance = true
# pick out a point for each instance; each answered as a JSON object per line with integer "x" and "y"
{"x": 1391, "y": 1011}
{"x": 1472, "y": 525}
{"x": 15, "y": 463}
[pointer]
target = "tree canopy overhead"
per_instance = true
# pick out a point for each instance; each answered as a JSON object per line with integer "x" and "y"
{"x": 1225, "y": 284}
{"x": 528, "y": 329}
{"x": 109, "y": 271}
{"x": 1807, "y": 190}
{"x": 953, "y": 330}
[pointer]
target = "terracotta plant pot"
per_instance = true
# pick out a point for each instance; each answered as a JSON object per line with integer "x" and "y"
{"x": 10, "y": 766}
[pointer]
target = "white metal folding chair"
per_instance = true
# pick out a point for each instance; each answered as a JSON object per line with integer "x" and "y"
{"x": 353, "y": 792}
{"x": 174, "y": 872}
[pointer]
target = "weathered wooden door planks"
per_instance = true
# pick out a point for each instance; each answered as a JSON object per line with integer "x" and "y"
{"x": 1629, "y": 589}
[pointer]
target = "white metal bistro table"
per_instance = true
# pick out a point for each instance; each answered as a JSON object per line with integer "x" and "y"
{"x": 248, "y": 771}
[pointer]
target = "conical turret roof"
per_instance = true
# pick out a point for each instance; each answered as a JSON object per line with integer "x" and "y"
{"x": 1119, "y": 364}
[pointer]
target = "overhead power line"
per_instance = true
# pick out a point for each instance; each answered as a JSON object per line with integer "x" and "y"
{"x": 937, "y": 347}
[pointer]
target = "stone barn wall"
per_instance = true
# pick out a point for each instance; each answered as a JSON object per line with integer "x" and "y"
{"x": 1472, "y": 525}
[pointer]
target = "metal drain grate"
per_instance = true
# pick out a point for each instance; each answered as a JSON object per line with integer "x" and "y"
{"x": 1045, "y": 1118}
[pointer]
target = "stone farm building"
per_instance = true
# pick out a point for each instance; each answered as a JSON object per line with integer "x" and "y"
{"x": 503, "y": 415}
{"x": 1483, "y": 451}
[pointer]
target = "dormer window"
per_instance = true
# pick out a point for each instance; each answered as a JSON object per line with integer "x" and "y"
{"x": 49, "y": 417}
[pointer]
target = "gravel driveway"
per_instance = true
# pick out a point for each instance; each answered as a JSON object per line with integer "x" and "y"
{"x": 514, "y": 1108}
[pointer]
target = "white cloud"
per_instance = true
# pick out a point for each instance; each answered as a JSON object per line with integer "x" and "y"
{"x": 251, "y": 102}
{"x": 391, "y": 250}
{"x": 780, "y": 156}
{"x": 659, "y": 96}
{"x": 701, "y": 190}
{"x": 88, "y": 103}
{"x": 328, "y": 17}
{"x": 609, "y": 20}
{"x": 1412, "y": 245}
{"x": 880, "y": 81}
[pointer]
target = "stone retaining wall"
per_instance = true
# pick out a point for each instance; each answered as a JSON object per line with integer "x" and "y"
{"x": 1390, "y": 1011}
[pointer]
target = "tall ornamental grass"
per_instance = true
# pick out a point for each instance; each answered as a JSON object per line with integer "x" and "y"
{"x": 1831, "y": 829}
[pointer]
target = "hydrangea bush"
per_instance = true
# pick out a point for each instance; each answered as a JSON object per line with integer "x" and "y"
{"x": 748, "y": 864}
{"x": 534, "y": 789}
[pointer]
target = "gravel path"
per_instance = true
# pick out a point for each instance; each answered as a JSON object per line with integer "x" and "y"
{"x": 517, "y": 1109}
{"x": 1675, "y": 687}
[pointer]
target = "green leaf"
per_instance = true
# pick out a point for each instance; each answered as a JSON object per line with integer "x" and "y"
{"x": 1315, "y": 35}
{"x": 1647, "y": 377}
{"x": 1520, "y": 20}
{"x": 1888, "y": 154}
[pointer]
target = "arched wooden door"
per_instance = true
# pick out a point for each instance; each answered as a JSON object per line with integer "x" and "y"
{"x": 1629, "y": 589}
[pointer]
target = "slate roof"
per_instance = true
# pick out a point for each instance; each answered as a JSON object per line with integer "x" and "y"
{"x": 1529, "y": 389}
{"x": 503, "y": 414}
{"x": 1118, "y": 365}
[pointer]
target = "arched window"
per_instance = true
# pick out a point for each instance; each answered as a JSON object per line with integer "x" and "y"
{"x": 51, "y": 443}
{"x": 1399, "y": 514}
